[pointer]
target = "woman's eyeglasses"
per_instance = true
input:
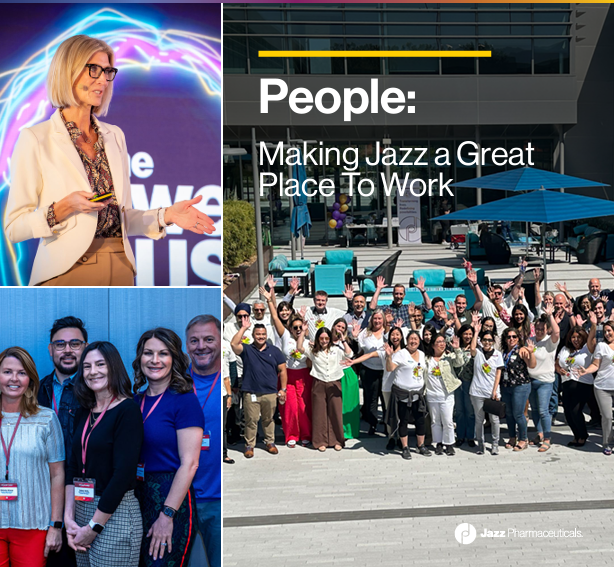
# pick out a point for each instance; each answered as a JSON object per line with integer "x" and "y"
{"x": 97, "y": 70}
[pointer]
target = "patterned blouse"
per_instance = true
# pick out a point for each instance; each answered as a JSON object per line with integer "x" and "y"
{"x": 515, "y": 371}
{"x": 99, "y": 175}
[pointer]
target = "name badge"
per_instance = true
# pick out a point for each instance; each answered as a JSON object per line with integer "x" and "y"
{"x": 254, "y": 398}
{"x": 8, "y": 491}
{"x": 140, "y": 471}
{"x": 85, "y": 489}
{"x": 206, "y": 442}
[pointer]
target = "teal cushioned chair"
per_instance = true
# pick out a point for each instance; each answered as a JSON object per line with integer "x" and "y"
{"x": 432, "y": 278}
{"x": 329, "y": 278}
{"x": 473, "y": 249}
{"x": 341, "y": 258}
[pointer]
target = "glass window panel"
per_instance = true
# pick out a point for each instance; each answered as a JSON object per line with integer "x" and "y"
{"x": 235, "y": 55}
{"x": 272, "y": 65}
{"x": 316, "y": 65}
{"x": 232, "y": 14}
{"x": 413, "y": 6}
{"x": 358, "y": 16}
{"x": 494, "y": 6}
{"x": 457, "y": 17}
{"x": 493, "y": 16}
{"x": 410, "y": 16}
{"x": 495, "y": 30}
{"x": 456, "y": 6}
{"x": 550, "y": 16}
{"x": 551, "y": 56}
{"x": 457, "y": 65}
{"x": 361, "y": 29}
{"x": 457, "y": 30}
{"x": 265, "y": 15}
{"x": 509, "y": 56}
{"x": 551, "y": 30}
{"x": 232, "y": 27}
{"x": 272, "y": 28}
{"x": 520, "y": 16}
{"x": 363, "y": 65}
{"x": 315, "y": 16}
{"x": 521, "y": 30}
{"x": 315, "y": 29}
{"x": 405, "y": 29}
{"x": 417, "y": 65}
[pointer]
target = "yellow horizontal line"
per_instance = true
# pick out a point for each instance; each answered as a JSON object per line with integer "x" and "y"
{"x": 374, "y": 54}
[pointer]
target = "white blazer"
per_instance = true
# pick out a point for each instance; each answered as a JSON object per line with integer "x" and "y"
{"x": 45, "y": 168}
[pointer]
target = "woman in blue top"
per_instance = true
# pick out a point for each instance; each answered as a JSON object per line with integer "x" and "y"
{"x": 173, "y": 423}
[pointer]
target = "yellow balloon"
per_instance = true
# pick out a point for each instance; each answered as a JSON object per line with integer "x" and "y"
{"x": 343, "y": 199}
{"x": 332, "y": 223}
{"x": 343, "y": 208}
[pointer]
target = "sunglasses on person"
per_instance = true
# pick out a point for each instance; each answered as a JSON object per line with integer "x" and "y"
{"x": 512, "y": 336}
{"x": 256, "y": 310}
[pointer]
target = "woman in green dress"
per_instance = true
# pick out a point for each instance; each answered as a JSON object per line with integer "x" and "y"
{"x": 349, "y": 384}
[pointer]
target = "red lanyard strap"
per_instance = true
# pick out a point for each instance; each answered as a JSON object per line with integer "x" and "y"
{"x": 210, "y": 389}
{"x": 7, "y": 452}
{"x": 85, "y": 440}
{"x": 152, "y": 407}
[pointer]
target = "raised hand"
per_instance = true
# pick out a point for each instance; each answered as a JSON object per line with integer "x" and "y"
{"x": 579, "y": 321}
{"x": 522, "y": 265}
{"x": 266, "y": 294}
{"x": 592, "y": 317}
{"x": 455, "y": 342}
{"x": 507, "y": 285}
{"x": 388, "y": 349}
{"x": 568, "y": 307}
{"x": 605, "y": 297}
{"x": 467, "y": 265}
{"x": 558, "y": 315}
{"x": 411, "y": 309}
{"x": 302, "y": 311}
{"x": 356, "y": 329}
{"x": 348, "y": 293}
{"x": 530, "y": 345}
{"x": 491, "y": 293}
{"x": 475, "y": 320}
{"x": 549, "y": 309}
{"x": 399, "y": 322}
{"x": 536, "y": 273}
{"x": 562, "y": 287}
{"x": 451, "y": 308}
{"x": 389, "y": 317}
{"x": 294, "y": 285}
{"x": 472, "y": 276}
{"x": 420, "y": 284}
{"x": 380, "y": 283}
{"x": 521, "y": 293}
{"x": 270, "y": 281}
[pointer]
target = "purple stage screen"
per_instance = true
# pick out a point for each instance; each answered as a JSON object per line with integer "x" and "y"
{"x": 166, "y": 100}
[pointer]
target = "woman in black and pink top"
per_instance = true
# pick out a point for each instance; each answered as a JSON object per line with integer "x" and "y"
{"x": 516, "y": 387}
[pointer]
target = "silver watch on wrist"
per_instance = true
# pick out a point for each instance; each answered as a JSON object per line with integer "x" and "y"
{"x": 96, "y": 527}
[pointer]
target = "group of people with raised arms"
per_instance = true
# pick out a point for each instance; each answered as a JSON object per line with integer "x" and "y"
{"x": 99, "y": 469}
{"x": 448, "y": 377}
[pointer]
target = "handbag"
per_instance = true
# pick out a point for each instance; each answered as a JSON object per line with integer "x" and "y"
{"x": 494, "y": 407}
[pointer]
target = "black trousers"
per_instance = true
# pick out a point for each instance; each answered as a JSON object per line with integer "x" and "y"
{"x": 575, "y": 396}
{"x": 63, "y": 558}
{"x": 405, "y": 411}
{"x": 371, "y": 384}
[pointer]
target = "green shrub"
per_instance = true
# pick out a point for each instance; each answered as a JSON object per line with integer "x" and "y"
{"x": 239, "y": 233}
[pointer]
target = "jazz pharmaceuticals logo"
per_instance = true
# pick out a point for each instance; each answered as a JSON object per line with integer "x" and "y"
{"x": 465, "y": 533}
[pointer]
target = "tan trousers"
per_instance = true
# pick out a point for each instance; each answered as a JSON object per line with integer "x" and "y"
{"x": 104, "y": 264}
{"x": 261, "y": 410}
{"x": 327, "y": 414}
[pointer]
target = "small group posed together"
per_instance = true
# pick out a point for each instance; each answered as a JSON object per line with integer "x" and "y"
{"x": 450, "y": 377}
{"x": 99, "y": 470}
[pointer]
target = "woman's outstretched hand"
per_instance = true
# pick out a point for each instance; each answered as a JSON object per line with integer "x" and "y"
{"x": 188, "y": 217}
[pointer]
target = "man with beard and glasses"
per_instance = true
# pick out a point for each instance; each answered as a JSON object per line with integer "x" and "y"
{"x": 203, "y": 344}
{"x": 68, "y": 338}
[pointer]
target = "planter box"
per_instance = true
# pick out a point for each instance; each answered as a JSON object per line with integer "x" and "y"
{"x": 243, "y": 286}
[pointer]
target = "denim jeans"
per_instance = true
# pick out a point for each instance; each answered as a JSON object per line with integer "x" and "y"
{"x": 464, "y": 415}
{"x": 210, "y": 527}
{"x": 554, "y": 398}
{"x": 515, "y": 399}
{"x": 541, "y": 393}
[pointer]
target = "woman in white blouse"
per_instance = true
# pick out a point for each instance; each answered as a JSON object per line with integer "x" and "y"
{"x": 296, "y": 412}
{"x": 603, "y": 364}
{"x": 576, "y": 387}
{"x": 372, "y": 370}
{"x": 326, "y": 402}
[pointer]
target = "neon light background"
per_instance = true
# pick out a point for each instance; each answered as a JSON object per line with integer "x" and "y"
{"x": 166, "y": 100}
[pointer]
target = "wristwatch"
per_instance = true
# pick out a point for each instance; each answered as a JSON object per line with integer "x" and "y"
{"x": 168, "y": 511}
{"x": 161, "y": 222}
{"x": 96, "y": 527}
{"x": 56, "y": 525}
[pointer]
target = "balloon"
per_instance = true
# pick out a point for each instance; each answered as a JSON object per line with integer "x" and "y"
{"x": 343, "y": 208}
{"x": 336, "y": 215}
{"x": 343, "y": 199}
{"x": 339, "y": 224}
{"x": 342, "y": 216}
{"x": 348, "y": 200}
{"x": 336, "y": 206}
{"x": 332, "y": 223}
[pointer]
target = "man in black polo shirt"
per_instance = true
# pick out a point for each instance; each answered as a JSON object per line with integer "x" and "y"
{"x": 262, "y": 364}
{"x": 440, "y": 315}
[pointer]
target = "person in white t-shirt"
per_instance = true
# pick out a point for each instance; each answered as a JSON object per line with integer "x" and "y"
{"x": 547, "y": 338}
{"x": 603, "y": 364}
{"x": 407, "y": 368}
{"x": 576, "y": 386}
{"x": 487, "y": 367}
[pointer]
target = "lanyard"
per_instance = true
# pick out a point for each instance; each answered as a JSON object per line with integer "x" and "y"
{"x": 210, "y": 389}
{"x": 508, "y": 356}
{"x": 55, "y": 405}
{"x": 152, "y": 407}
{"x": 7, "y": 452}
{"x": 85, "y": 440}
